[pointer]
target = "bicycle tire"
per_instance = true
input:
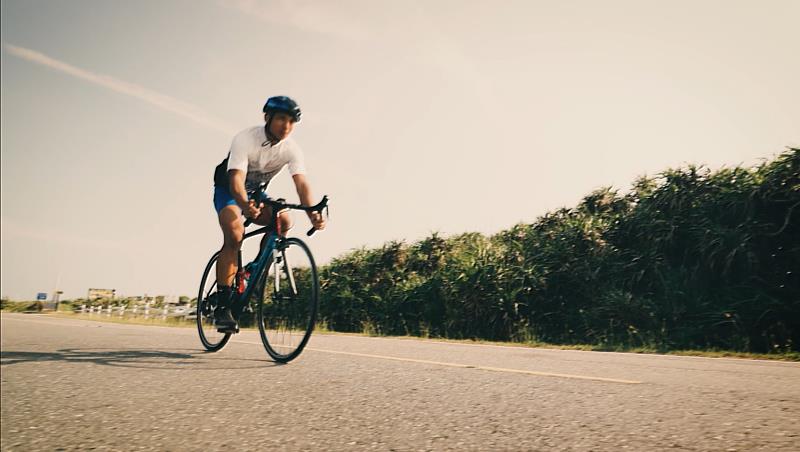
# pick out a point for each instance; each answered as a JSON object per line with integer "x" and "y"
{"x": 286, "y": 318}
{"x": 205, "y": 312}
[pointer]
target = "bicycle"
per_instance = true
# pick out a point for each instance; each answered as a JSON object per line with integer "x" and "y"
{"x": 286, "y": 302}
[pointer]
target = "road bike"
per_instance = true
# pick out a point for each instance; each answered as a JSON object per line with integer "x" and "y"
{"x": 282, "y": 282}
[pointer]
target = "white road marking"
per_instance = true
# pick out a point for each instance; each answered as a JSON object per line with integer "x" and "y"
{"x": 464, "y": 366}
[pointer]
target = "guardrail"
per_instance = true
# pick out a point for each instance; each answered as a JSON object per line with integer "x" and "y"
{"x": 147, "y": 312}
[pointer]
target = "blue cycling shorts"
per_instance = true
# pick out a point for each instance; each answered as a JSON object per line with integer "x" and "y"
{"x": 222, "y": 198}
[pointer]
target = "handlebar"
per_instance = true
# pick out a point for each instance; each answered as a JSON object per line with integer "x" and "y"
{"x": 259, "y": 197}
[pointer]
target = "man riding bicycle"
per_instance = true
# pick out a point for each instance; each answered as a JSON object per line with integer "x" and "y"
{"x": 257, "y": 155}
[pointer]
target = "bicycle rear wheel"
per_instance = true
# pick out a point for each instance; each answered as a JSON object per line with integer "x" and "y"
{"x": 288, "y": 299}
{"x": 206, "y": 302}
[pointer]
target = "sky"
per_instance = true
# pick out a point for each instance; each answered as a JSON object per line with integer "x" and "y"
{"x": 418, "y": 117}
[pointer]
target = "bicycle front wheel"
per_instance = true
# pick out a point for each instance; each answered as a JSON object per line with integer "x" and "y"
{"x": 288, "y": 300}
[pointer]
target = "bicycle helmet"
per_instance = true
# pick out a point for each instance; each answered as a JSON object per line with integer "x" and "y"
{"x": 283, "y": 104}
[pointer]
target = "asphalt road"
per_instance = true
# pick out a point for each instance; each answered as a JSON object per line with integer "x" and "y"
{"x": 77, "y": 385}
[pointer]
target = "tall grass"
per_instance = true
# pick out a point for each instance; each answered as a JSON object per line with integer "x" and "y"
{"x": 691, "y": 258}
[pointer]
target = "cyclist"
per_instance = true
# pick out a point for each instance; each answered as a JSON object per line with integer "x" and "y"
{"x": 257, "y": 155}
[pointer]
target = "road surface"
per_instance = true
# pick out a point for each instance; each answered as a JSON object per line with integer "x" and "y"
{"x": 71, "y": 384}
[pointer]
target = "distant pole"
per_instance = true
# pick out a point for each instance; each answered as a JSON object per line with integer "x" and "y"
{"x": 57, "y": 293}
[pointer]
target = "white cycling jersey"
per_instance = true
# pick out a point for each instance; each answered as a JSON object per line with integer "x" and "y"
{"x": 252, "y": 152}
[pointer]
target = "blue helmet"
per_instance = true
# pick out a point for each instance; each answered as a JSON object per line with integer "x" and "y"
{"x": 283, "y": 104}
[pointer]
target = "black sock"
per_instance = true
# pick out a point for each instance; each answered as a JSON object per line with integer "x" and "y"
{"x": 224, "y": 293}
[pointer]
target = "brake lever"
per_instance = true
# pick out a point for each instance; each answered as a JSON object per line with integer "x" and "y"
{"x": 327, "y": 216}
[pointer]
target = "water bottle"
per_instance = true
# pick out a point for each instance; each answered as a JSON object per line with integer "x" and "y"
{"x": 243, "y": 276}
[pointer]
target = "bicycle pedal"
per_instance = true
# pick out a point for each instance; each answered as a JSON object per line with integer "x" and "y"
{"x": 228, "y": 330}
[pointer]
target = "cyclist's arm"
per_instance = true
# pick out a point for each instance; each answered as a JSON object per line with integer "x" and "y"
{"x": 303, "y": 190}
{"x": 237, "y": 172}
{"x": 236, "y": 180}
{"x": 306, "y": 199}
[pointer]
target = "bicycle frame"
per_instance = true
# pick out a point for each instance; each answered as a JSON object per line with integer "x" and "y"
{"x": 274, "y": 239}
{"x": 261, "y": 262}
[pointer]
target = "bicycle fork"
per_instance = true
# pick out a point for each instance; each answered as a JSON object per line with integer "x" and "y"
{"x": 281, "y": 265}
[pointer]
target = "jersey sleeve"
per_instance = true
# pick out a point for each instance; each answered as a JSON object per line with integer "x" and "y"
{"x": 237, "y": 158}
{"x": 297, "y": 162}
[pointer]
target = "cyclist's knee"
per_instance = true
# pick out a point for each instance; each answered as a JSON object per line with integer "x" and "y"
{"x": 232, "y": 233}
{"x": 286, "y": 222}
{"x": 233, "y": 237}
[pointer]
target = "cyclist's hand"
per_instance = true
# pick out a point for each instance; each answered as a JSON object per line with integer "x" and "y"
{"x": 318, "y": 220}
{"x": 252, "y": 211}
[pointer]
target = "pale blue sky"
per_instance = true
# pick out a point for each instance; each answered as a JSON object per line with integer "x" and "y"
{"x": 418, "y": 116}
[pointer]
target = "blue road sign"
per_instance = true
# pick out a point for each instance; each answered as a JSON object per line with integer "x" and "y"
{"x": 41, "y": 296}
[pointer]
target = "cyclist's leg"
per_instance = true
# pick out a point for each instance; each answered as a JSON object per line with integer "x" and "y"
{"x": 230, "y": 221}
{"x": 229, "y": 217}
{"x": 265, "y": 219}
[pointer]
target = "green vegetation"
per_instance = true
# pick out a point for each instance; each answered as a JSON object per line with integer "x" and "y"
{"x": 690, "y": 259}
{"x": 20, "y": 306}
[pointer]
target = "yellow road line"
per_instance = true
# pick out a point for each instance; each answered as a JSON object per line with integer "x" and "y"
{"x": 469, "y": 366}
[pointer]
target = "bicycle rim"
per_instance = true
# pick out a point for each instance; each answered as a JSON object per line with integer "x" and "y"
{"x": 211, "y": 339}
{"x": 287, "y": 311}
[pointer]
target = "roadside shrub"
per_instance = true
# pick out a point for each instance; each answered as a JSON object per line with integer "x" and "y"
{"x": 690, "y": 258}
